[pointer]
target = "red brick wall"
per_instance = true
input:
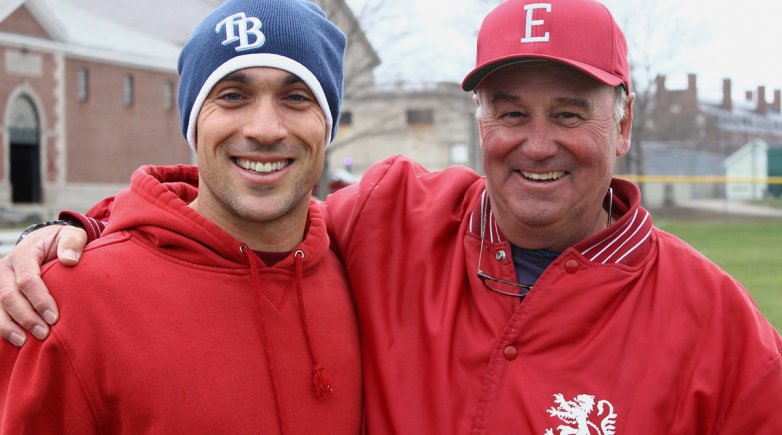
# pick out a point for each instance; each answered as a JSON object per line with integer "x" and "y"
{"x": 107, "y": 140}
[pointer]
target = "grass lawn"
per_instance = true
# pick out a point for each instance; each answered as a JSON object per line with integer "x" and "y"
{"x": 750, "y": 250}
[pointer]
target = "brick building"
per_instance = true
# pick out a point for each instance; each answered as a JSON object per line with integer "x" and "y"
{"x": 720, "y": 126}
{"x": 83, "y": 102}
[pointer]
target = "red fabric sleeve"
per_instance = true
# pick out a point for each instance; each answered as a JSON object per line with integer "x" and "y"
{"x": 94, "y": 222}
{"x": 757, "y": 411}
{"x": 40, "y": 391}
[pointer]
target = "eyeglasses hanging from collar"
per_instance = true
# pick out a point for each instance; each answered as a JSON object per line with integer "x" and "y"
{"x": 495, "y": 284}
{"x": 502, "y": 286}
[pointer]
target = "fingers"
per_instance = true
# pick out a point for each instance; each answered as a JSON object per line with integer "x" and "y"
{"x": 70, "y": 245}
{"x": 18, "y": 311}
{"x": 9, "y": 330}
{"x": 24, "y": 298}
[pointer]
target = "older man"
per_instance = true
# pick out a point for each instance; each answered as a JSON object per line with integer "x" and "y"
{"x": 235, "y": 245}
{"x": 541, "y": 299}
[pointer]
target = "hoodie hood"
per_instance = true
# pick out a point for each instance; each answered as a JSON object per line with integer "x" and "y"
{"x": 155, "y": 209}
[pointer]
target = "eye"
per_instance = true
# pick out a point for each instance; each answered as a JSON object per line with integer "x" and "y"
{"x": 230, "y": 96}
{"x": 568, "y": 119}
{"x": 298, "y": 97}
{"x": 513, "y": 117}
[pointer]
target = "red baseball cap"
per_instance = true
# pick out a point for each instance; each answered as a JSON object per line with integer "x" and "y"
{"x": 579, "y": 33}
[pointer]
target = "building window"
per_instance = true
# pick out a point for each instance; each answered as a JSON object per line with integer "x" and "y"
{"x": 420, "y": 117}
{"x": 83, "y": 86}
{"x": 346, "y": 118}
{"x": 128, "y": 90}
{"x": 168, "y": 95}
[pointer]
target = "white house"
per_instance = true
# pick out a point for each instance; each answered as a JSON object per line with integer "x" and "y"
{"x": 747, "y": 171}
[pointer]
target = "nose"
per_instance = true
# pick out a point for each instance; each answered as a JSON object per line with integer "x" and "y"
{"x": 539, "y": 143}
{"x": 264, "y": 122}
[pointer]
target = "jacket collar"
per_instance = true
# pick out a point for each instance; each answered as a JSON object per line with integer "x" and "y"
{"x": 626, "y": 241}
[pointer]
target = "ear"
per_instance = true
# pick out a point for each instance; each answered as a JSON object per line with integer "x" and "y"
{"x": 626, "y": 127}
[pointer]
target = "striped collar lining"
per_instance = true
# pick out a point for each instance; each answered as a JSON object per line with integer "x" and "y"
{"x": 626, "y": 241}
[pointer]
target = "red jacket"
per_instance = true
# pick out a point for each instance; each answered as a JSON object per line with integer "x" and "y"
{"x": 169, "y": 325}
{"x": 628, "y": 332}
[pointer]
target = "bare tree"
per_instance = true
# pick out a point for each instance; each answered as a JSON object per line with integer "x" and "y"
{"x": 360, "y": 63}
{"x": 658, "y": 36}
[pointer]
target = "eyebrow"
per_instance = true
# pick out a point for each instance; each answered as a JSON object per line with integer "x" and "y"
{"x": 504, "y": 96}
{"x": 242, "y": 78}
{"x": 236, "y": 76}
{"x": 576, "y": 101}
{"x": 292, "y": 79}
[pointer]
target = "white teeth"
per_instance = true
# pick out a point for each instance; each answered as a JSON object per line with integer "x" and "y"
{"x": 260, "y": 167}
{"x": 543, "y": 176}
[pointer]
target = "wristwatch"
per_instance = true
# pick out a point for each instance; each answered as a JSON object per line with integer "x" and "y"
{"x": 34, "y": 227}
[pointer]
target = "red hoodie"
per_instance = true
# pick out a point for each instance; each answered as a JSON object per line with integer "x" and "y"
{"x": 170, "y": 325}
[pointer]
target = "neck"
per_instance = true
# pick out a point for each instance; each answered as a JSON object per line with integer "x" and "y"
{"x": 278, "y": 235}
{"x": 556, "y": 236}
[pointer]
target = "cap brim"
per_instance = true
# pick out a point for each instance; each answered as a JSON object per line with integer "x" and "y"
{"x": 477, "y": 75}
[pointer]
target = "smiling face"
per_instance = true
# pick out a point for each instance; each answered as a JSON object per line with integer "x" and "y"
{"x": 260, "y": 146}
{"x": 550, "y": 142}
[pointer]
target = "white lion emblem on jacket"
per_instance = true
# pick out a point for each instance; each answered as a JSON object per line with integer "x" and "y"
{"x": 575, "y": 413}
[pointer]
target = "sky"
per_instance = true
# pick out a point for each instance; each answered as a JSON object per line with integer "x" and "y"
{"x": 434, "y": 40}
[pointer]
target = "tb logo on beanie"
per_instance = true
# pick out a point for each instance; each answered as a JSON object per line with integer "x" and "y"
{"x": 241, "y": 23}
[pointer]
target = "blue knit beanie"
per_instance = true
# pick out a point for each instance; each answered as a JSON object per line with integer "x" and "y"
{"x": 291, "y": 35}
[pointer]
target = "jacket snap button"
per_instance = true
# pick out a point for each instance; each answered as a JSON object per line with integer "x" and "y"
{"x": 510, "y": 353}
{"x": 571, "y": 266}
{"x": 500, "y": 255}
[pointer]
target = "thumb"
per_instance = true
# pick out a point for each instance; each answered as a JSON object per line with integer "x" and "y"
{"x": 70, "y": 245}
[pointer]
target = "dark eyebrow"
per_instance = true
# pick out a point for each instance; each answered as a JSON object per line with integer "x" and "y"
{"x": 242, "y": 78}
{"x": 292, "y": 79}
{"x": 236, "y": 76}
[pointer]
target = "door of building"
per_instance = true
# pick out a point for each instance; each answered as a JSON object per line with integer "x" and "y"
{"x": 25, "y": 152}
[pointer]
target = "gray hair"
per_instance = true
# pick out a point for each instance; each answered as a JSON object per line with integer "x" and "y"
{"x": 620, "y": 103}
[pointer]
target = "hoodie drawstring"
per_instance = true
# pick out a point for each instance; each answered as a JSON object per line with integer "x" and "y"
{"x": 266, "y": 341}
{"x": 321, "y": 380}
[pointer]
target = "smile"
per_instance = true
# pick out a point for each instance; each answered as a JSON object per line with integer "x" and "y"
{"x": 261, "y": 167}
{"x": 543, "y": 176}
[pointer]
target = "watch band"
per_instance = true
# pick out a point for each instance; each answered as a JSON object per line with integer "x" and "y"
{"x": 38, "y": 226}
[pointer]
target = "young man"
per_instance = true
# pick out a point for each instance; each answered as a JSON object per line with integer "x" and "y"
{"x": 234, "y": 245}
{"x": 541, "y": 299}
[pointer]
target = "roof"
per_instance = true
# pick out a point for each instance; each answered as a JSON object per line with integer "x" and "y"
{"x": 81, "y": 33}
{"x": 84, "y": 28}
{"x": 169, "y": 20}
